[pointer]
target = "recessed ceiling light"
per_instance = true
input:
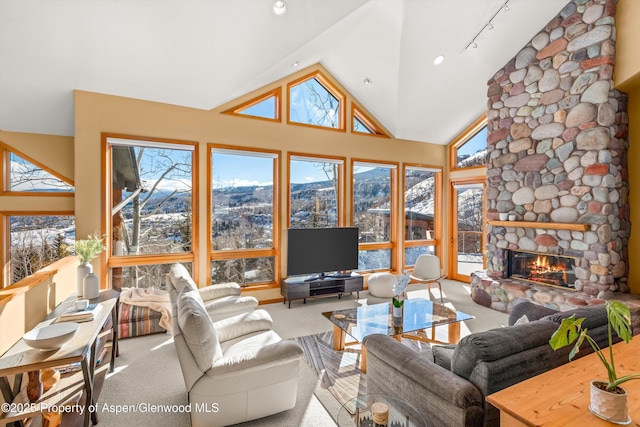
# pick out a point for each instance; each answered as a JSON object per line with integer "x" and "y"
{"x": 279, "y": 8}
{"x": 367, "y": 81}
{"x": 295, "y": 63}
{"x": 439, "y": 60}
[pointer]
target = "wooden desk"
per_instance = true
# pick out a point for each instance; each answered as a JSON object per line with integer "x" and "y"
{"x": 83, "y": 348}
{"x": 560, "y": 397}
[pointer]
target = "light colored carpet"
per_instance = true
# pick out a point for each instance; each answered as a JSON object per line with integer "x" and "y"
{"x": 148, "y": 372}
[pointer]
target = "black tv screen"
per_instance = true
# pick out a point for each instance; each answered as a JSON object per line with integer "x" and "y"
{"x": 322, "y": 250}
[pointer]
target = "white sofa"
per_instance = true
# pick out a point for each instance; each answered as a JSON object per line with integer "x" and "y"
{"x": 221, "y": 301}
{"x": 236, "y": 369}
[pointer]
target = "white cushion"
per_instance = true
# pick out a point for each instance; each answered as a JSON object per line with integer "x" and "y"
{"x": 381, "y": 284}
{"x": 522, "y": 320}
{"x": 180, "y": 278}
{"x": 219, "y": 290}
{"x": 243, "y": 324}
{"x": 198, "y": 330}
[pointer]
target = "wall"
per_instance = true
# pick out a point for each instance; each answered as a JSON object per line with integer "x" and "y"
{"x": 56, "y": 152}
{"x": 26, "y": 303}
{"x": 98, "y": 113}
{"x": 627, "y": 78}
{"x": 557, "y": 146}
{"x": 627, "y": 71}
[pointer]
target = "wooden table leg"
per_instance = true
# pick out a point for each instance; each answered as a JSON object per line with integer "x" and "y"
{"x": 338, "y": 338}
{"x": 454, "y": 332}
{"x": 51, "y": 419}
{"x": 363, "y": 359}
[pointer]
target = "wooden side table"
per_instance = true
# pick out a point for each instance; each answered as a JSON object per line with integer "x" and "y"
{"x": 560, "y": 397}
{"x": 84, "y": 349}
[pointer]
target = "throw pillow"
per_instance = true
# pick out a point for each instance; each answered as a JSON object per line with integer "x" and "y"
{"x": 442, "y": 355}
{"x": 522, "y": 320}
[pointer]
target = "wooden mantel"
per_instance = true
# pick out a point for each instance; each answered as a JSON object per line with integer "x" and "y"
{"x": 547, "y": 225}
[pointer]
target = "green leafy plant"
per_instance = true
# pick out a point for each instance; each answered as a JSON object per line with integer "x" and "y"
{"x": 89, "y": 248}
{"x": 571, "y": 330}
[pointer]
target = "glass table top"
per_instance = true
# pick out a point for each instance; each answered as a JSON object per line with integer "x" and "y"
{"x": 360, "y": 412}
{"x": 417, "y": 314}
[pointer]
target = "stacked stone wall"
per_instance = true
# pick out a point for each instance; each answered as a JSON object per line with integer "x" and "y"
{"x": 557, "y": 149}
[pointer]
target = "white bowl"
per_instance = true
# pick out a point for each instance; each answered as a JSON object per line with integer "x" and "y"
{"x": 51, "y": 337}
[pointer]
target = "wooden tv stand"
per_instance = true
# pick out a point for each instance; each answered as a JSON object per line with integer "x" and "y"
{"x": 296, "y": 288}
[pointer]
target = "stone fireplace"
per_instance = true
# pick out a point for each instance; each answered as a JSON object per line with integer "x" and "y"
{"x": 557, "y": 159}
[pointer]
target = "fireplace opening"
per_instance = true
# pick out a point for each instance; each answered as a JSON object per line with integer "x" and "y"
{"x": 547, "y": 269}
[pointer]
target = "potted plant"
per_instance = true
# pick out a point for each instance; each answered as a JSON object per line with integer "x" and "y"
{"x": 87, "y": 250}
{"x": 608, "y": 399}
{"x": 399, "y": 291}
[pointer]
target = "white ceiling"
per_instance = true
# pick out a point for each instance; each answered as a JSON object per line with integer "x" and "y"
{"x": 204, "y": 53}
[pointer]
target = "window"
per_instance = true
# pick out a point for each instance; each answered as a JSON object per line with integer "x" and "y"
{"x": 145, "y": 276}
{"x": 469, "y": 150}
{"x": 244, "y": 227}
{"x": 421, "y": 196}
{"x": 315, "y": 192}
{"x": 314, "y": 101}
{"x": 151, "y": 197}
{"x": 37, "y": 241}
{"x": 467, "y": 244}
{"x": 373, "y": 213}
{"x": 265, "y": 106}
{"x": 362, "y": 124}
{"x": 152, "y": 215}
{"x": 28, "y": 176}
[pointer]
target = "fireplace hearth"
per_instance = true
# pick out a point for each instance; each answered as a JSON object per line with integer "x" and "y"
{"x": 542, "y": 268}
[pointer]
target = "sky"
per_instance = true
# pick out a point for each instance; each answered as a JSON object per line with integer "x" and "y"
{"x": 476, "y": 143}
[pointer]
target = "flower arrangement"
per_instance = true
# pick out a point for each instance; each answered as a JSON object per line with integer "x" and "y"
{"x": 400, "y": 288}
{"x": 89, "y": 248}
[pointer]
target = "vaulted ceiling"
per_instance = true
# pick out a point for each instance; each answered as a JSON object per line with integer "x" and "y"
{"x": 204, "y": 53}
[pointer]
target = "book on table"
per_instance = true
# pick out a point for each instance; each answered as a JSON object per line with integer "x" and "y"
{"x": 72, "y": 314}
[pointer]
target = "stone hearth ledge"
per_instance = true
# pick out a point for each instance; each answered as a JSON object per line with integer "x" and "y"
{"x": 503, "y": 294}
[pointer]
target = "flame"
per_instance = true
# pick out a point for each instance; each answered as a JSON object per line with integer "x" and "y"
{"x": 541, "y": 265}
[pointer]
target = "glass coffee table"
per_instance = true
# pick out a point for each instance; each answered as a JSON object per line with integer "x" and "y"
{"x": 418, "y": 314}
{"x": 376, "y": 409}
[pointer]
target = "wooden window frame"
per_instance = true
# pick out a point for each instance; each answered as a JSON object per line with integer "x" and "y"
{"x": 276, "y": 93}
{"x": 5, "y": 238}
{"x": 341, "y": 181}
{"x": 392, "y": 244}
{"x": 331, "y": 88}
{"x": 5, "y": 181}
{"x": 275, "y": 251}
{"x": 436, "y": 240}
{"x": 375, "y": 130}
{"x": 462, "y": 139}
{"x": 110, "y": 261}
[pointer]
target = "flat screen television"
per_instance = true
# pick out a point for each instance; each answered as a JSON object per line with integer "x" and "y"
{"x": 322, "y": 251}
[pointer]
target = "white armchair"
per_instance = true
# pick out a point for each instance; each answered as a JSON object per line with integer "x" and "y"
{"x": 427, "y": 270}
{"x": 236, "y": 369}
{"x": 221, "y": 300}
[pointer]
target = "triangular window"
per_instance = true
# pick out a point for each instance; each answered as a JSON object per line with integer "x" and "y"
{"x": 27, "y": 176}
{"x": 314, "y": 101}
{"x": 362, "y": 124}
{"x": 266, "y": 106}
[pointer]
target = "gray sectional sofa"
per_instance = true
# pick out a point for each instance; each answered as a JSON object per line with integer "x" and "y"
{"x": 448, "y": 385}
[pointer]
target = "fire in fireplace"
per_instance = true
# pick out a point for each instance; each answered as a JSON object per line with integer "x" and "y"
{"x": 547, "y": 269}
